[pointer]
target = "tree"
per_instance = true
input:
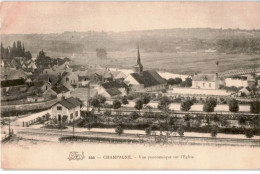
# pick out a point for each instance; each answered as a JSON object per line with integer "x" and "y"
{"x": 178, "y": 80}
{"x": 148, "y": 131}
{"x": 146, "y": 99}
{"x": 94, "y": 102}
{"x": 188, "y": 82}
{"x": 214, "y": 131}
{"x": 139, "y": 105}
{"x": 116, "y": 104}
{"x": 101, "y": 99}
{"x": 180, "y": 131}
{"x": 242, "y": 121}
{"x": 64, "y": 118}
{"x": 107, "y": 113}
{"x": 119, "y": 130}
{"x": 171, "y": 81}
{"x": 233, "y": 105}
{"x": 209, "y": 105}
{"x": 164, "y": 102}
{"x": 186, "y": 105}
{"x": 134, "y": 115}
{"x": 255, "y": 107}
{"x": 124, "y": 100}
{"x": 249, "y": 133}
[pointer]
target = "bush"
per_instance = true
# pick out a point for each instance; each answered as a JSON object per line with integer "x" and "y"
{"x": 214, "y": 131}
{"x": 209, "y": 105}
{"x": 233, "y": 105}
{"x": 107, "y": 113}
{"x": 255, "y": 107}
{"x": 116, "y": 104}
{"x": 134, "y": 115}
{"x": 249, "y": 133}
{"x": 124, "y": 100}
{"x": 186, "y": 105}
{"x": 148, "y": 131}
{"x": 146, "y": 99}
{"x": 180, "y": 131}
{"x": 119, "y": 130}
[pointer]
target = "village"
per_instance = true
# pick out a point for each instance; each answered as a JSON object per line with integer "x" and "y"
{"x": 44, "y": 93}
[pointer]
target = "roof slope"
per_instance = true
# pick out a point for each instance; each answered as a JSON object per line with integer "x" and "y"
{"x": 113, "y": 92}
{"x": 205, "y": 77}
{"x": 60, "y": 89}
{"x": 70, "y": 103}
{"x": 113, "y": 84}
{"x": 148, "y": 78}
{"x": 9, "y": 83}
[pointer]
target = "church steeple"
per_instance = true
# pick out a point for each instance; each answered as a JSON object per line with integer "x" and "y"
{"x": 138, "y": 67}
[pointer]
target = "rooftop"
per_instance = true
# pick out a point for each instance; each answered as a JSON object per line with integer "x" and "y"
{"x": 10, "y": 83}
{"x": 148, "y": 78}
{"x": 70, "y": 103}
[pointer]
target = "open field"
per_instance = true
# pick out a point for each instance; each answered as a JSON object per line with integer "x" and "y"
{"x": 184, "y": 63}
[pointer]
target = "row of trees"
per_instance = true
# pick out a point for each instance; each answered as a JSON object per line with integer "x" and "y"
{"x": 17, "y": 50}
{"x": 178, "y": 81}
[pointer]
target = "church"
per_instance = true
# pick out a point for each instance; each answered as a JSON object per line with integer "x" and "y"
{"x": 144, "y": 81}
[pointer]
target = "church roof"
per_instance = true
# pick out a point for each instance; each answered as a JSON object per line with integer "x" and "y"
{"x": 148, "y": 78}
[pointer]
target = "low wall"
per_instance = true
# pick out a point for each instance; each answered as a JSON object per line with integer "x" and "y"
{"x": 28, "y": 107}
{"x": 194, "y": 91}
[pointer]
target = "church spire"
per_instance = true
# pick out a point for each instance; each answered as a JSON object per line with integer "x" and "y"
{"x": 139, "y": 60}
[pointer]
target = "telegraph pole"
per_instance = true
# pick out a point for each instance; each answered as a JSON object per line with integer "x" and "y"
{"x": 9, "y": 127}
{"x": 73, "y": 127}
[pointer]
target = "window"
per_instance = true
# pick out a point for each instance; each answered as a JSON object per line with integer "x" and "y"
{"x": 59, "y": 108}
{"x": 210, "y": 85}
{"x": 203, "y": 84}
{"x": 71, "y": 115}
{"x": 76, "y": 113}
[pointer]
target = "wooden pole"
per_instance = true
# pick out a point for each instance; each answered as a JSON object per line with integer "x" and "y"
{"x": 73, "y": 127}
{"x": 9, "y": 126}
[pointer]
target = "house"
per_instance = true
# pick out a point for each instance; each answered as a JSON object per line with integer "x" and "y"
{"x": 252, "y": 81}
{"x": 112, "y": 89}
{"x": 205, "y": 81}
{"x": 61, "y": 92}
{"x": 118, "y": 75}
{"x": 144, "y": 81}
{"x": 84, "y": 81}
{"x": 69, "y": 107}
{"x": 68, "y": 78}
{"x": 52, "y": 79}
{"x": 42, "y": 86}
{"x": 10, "y": 74}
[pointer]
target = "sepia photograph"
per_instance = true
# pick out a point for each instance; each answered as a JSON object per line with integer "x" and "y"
{"x": 130, "y": 85}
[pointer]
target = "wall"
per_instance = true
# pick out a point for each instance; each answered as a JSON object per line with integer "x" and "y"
{"x": 235, "y": 82}
{"x": 28, "y": 107}
{"x": 207, "y": 85}
{"x": 192, "y": 91}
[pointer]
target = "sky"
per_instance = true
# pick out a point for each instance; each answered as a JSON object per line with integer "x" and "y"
{"x": 57, "y": 17}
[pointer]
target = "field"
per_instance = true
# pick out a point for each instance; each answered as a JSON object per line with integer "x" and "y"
{"x": 184, "y": 63}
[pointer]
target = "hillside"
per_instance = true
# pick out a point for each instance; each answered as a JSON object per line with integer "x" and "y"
{"x": 166, "y": 44}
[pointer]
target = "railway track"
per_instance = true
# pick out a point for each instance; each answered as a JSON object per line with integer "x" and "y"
{"x": 173, "y": 139}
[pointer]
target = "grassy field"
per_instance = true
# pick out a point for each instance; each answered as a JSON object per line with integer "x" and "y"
{"x": 186, "y": 63}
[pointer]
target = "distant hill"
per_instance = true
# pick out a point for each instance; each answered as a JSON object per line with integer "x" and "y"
{"x": 231, "y": 41}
